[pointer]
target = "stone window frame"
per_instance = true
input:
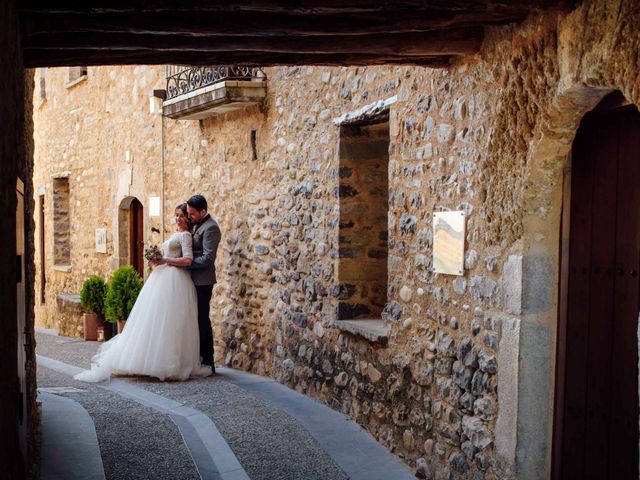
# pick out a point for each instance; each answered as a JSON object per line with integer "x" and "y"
{"x": 373, "y": 330}
{"x": 76, "y": 75}
{"x": 59, "y": 266}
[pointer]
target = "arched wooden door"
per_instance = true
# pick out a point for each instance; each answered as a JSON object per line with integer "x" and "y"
{"x": 136, "y": 236}
{"x": 597, "y": 416}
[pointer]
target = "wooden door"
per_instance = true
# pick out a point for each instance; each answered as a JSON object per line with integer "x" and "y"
{"x": 599, "y": 372}
{"x": 136, "y": 236}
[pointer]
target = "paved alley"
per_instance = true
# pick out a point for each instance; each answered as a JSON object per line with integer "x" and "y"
{"x": 231, "y": 426}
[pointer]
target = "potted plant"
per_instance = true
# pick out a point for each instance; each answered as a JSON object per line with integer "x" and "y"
{"x": 92, "y": 296}
{"x": 124, "y": 286}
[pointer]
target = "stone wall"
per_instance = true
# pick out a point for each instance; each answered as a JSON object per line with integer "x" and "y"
{"x": 464, "y": 388}
{"x": 95, "y": 133}
{"x": 16, "y": 148}
{"x": 33, "y": 413}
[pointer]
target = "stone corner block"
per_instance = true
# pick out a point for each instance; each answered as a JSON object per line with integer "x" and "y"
{"x": 512, "y": 284}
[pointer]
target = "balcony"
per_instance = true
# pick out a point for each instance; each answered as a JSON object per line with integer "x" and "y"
{"x": 195, "y": 93}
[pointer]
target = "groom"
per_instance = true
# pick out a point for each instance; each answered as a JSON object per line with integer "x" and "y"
{"x": 206, "y": 237}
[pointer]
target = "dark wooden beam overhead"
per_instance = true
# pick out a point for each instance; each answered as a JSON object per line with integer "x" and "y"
{"x": 58, "y": 58}
{"x": 459, "y": 41}
{"x": 313, "y": 7}
{"x": 257, "y": 24}
{"x": 271, "y": 32}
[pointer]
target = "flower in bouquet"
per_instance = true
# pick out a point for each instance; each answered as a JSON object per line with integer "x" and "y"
{"x": 152, "y": 253}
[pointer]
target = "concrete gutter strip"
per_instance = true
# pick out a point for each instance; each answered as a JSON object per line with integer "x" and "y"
{"x": 70, "y": 448}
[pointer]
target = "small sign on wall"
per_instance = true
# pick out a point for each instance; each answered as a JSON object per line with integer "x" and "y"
{"x": 154, "y": 206}
{"x": 101, "y": 240}
{"x": 448, "y": 242}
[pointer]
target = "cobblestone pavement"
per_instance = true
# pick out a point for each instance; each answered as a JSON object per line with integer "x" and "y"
{"x": 138, "y": 442}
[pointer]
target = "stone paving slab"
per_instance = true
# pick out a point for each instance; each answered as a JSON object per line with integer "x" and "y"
{"x": 70, "y": 447}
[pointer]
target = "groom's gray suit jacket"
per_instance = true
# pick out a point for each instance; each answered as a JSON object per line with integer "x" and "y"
{"x": 206, "y": 237}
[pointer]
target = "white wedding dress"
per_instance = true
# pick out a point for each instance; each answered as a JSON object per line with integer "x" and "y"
{"x": 160, "y": 338}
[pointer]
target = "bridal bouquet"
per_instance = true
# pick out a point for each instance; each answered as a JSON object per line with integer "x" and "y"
{"x": 152, "y": 253}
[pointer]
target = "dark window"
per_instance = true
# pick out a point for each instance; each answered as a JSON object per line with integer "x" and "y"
{"x": 363, "y": 193}
{"x": 61, "y": 223}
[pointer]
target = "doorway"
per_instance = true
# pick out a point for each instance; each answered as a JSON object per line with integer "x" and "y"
{"x": 136, "y": 236}
{"x": 596, "y": 427}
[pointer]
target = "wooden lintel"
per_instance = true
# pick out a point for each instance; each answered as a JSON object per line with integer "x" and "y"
{"x": 261, "y": 32}
{"x": 276, "y": 6}
{"x": 459, "y": 41}
{"x": 60, "y": 58}
{"x": 261, "y": 24}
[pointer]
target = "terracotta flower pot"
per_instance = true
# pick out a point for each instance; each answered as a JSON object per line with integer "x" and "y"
{"x": 121, "y": 325}
{"x": 91, "y": 324}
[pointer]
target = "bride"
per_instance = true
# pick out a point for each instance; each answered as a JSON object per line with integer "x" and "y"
{"x": 160, "y": 338}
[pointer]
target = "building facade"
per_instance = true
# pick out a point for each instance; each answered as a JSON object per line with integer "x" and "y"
{"x": 325, "y": 191}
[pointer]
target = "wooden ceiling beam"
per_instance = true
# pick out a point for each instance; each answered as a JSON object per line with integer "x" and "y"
{"x": 274, "y": 6}
{"x": 258, "y": 24}
{"x": 261, "y": 32}
{"x": 58, "y": 58}
{"x": 459, "y": 41}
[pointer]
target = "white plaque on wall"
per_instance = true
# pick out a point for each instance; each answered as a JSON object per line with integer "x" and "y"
{"x": 448, "y": 242}
{"x": 101, "y": 240}
{"x": 154, "y": 206}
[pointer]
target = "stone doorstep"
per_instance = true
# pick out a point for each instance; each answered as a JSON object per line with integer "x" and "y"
{"x": 374, "y": 330}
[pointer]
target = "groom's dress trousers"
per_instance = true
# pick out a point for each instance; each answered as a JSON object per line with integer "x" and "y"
{"x": 206, "y": 237}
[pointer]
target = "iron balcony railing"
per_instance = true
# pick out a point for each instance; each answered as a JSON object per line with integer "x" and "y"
{"x": 181, "y": 79}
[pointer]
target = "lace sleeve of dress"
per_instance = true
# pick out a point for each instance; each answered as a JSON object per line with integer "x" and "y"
{"x": 186, "y": 242}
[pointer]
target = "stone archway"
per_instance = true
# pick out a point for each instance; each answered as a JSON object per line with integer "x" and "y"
{"x": 539, "y": 265}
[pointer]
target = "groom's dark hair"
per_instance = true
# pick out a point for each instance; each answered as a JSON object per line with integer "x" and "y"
{"x": 198, "y": 202}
